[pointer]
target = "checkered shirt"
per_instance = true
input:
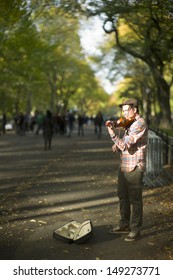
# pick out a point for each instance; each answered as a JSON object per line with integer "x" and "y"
{"x": 133, "y": 146}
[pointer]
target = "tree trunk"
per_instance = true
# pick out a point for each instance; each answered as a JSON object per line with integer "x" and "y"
{"x": 28, "y": 104}
{"x": 163, "y": 93}
{"x": 156, "y": 64}
{"x": 52, "y": 99}
{"x": 52, "y": 82}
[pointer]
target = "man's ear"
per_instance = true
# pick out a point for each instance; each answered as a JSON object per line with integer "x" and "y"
{"x": 135, "y": 110}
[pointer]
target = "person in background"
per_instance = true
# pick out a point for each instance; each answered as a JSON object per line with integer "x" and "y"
{"x": 39, "y": 119}
{"x": 48, "y": 127}
{"x": 132, "y": 147}
{"x": 98, "y": 122}
{"x": 80, "y": 124}
{"x": 70, "y": 123}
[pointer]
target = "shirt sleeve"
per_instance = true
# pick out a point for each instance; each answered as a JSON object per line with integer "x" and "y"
{"x": 136, "y": 131}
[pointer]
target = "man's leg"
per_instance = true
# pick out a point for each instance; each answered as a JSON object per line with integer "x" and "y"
{"x": 124, "y": 202}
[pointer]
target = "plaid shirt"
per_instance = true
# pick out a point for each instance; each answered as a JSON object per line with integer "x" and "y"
{"x": 133, "y": 146}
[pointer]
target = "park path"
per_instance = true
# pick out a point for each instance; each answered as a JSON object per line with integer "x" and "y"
{"x": 43, "y": 190}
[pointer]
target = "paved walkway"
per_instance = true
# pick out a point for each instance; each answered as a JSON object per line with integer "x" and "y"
{"x": 43, "y": 190}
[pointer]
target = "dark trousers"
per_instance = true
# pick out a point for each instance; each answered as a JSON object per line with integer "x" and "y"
{"x": 47, "y": 142}
{"x": 130, "y": 197}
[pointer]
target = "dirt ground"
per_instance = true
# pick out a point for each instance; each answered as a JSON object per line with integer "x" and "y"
{"x": 43, "y": 190}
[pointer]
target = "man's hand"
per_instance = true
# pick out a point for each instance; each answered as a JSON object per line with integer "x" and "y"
{"x": 114, "y": 148}
{"x": 111, "y": 131}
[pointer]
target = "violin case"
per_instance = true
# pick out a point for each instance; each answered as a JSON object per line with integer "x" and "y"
{"x": 74, "y": 232}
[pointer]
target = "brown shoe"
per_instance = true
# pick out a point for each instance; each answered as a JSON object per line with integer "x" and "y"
{"x": 120, "y": 230}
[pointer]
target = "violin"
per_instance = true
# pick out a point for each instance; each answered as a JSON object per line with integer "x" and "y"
{"x": 121, "y": 122}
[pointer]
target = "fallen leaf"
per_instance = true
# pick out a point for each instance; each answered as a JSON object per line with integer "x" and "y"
{"x": 150, "y": 243}
{"x": 33, "y": 221}
{"x": 42, "y": 222}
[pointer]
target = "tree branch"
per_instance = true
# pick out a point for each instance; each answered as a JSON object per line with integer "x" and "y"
{"x": 120, "y": 46}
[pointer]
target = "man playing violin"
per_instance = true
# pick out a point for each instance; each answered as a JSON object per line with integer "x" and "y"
{"x": 133, "y": 147}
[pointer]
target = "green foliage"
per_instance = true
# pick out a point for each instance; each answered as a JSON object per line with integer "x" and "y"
{"x": 41, "y": 60}
{"x": 42, "y": 64}
{"x": 142, "y": 30}
{"x": 168, "y": 132}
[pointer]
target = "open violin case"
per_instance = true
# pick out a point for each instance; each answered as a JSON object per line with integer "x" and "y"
{"x": 74, "y": 232}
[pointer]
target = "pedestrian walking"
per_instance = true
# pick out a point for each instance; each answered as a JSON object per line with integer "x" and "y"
{"x": 98, "y": 122}
{"x": 80, "y": 125}
{"x": 132, "y": 147}
{"x": 39, "y": 119}
{"x": 48, "y": 130}
{"x": 70, "y": 123}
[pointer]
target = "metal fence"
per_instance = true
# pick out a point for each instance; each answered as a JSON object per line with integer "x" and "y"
{"x": 159, "y": 153}
{"x": 154, "y": 155}
{"x": 167, "y": 143}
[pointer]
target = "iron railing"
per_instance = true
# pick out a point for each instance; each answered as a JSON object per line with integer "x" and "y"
{"x": 159, "y": 154}
{"x": 167, "y": 143}
{"x": 154, "y": 155}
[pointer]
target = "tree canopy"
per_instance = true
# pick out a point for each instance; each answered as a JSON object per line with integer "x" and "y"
{"x": 42, "y": 63}
{"x": 142, "y": 32}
